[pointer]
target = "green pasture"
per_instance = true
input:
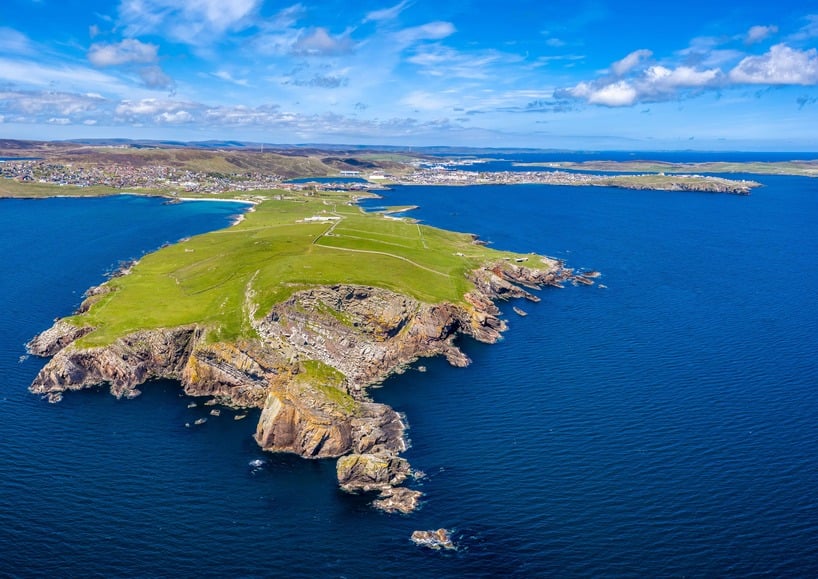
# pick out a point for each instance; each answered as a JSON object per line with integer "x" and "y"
{"x": 217, "y": 279}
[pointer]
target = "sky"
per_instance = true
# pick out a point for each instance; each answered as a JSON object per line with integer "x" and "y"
{"x": 585, "y": 74}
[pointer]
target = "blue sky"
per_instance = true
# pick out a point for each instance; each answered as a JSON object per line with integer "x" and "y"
{"x": 589, "y": 74}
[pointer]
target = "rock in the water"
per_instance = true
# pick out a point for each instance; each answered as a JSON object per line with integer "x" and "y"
{"x": 379, "y": 472}
{"x": 437, "y": 540}
{"x": 307, "y": 366}
{"x": 397, "y": 500}
{"x": 369, "y": 472}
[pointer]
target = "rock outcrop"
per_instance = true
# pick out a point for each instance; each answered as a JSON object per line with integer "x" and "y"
{"x": 435, "y": 540}
{"x": 308, "y": 369}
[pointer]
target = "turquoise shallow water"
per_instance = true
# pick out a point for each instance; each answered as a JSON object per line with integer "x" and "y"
{"x": 664, "y": 425}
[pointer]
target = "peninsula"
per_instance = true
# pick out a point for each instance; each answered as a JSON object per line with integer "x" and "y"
{"x": 296, "y": 310}
{"x": 301, "y": 306}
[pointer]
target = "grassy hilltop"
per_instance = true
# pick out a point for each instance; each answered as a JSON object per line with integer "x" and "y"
{"x": 219, "y": 278}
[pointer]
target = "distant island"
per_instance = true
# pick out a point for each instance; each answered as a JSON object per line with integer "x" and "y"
{"x": 303, "y": 304}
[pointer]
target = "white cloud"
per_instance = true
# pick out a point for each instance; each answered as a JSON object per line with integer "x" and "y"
{"x": 128, "y": 51}
{"x": 227, "y": 77}
{"x": 387, "y": 13}
{"x": 666, "y": 79}
{"x": 14, "y": 42}
{"x": 431, "y": 31}
{"x": 781, "y": 65}
{"x": 319, "y": 42}
{"x": 59, "y": 121}
{"x": 175, "y": 117}
{"x": 758, "y": 33}
{"x": 809, "y": 30}
{"x": 656, "y": 83}
{"x": 615, "y": 94}
{"x": 621, "y": 67}
{"x": 49, "y": 103}
{"x": 425, "y": 101}
{"x": 155, "y": 78}
{"x": 195, "y": 22}
{"x": 150, "y": 107}
{"x": 29, "y": 73}
{"x": 442, "y": 61}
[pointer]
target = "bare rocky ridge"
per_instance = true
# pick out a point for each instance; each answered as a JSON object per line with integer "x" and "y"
{"x": 308, "y": 370}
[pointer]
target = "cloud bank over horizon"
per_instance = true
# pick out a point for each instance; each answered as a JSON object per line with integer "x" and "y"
{"x": 413, "y": 72}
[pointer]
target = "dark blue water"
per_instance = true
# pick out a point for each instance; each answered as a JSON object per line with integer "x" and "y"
{"x": 664, "y": 425}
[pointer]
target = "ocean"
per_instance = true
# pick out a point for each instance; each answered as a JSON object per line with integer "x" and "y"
{"x": 663, "y": 425}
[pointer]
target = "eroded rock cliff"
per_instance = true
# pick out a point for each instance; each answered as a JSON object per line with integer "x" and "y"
{"x": 307, "y": 368}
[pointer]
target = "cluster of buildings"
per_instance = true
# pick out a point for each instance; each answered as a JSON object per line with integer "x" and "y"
{"x": 130, "y": 177}
{"x": 443, "y": 176}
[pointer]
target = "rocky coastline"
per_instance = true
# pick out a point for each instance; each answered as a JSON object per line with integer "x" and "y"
{"x": 308, "y": 368}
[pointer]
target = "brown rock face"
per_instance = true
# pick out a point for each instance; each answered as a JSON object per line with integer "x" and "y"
{"x": 309, "y": 368}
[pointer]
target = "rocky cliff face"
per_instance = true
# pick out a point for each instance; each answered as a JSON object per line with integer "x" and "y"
{"x": 309, "y": 368}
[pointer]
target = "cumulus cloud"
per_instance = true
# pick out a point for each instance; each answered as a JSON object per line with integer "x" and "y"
{"x": 630, "y": 82}
{"x": 132, "y": 52}
{"x": 154, "y": 77}
{"x": 319, "y": 42}
{"x": 620, "y": 67}
{"x": 758, "y": 33}
{"x": 150, "y": 107}
{"x": 175, "y": 118}
{"x": 615, "y": 94}
{"x": 196, "y": 22}
{"x": 662, "y": 79}
{"x": 655, "y": 83}
{"x": 128, "y": 51}
{"x": 50, "y": 103}
{"x": 781, "y": 65}
{"x": 34, "y": 107}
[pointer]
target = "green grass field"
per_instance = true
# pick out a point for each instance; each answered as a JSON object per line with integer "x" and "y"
{"x": 219, "y": 278}
{"x": 11, "y": 188}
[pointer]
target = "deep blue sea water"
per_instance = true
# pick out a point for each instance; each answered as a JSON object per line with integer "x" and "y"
{"x": 665, "y": 425}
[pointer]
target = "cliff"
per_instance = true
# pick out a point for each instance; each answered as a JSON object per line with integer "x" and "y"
{"x": 307, "y": 367}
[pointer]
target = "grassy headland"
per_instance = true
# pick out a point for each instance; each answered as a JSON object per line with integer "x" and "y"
{"x": 219, "y": 278}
